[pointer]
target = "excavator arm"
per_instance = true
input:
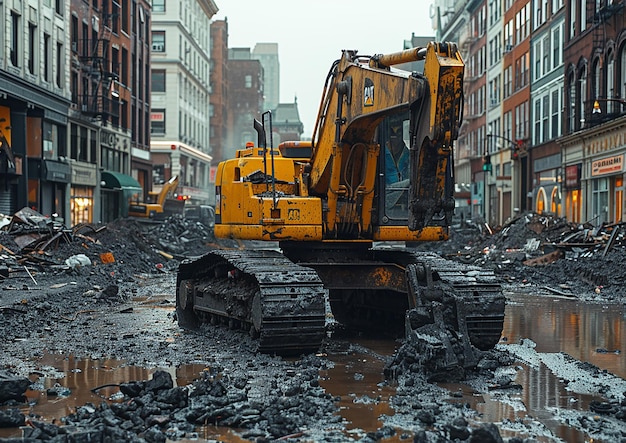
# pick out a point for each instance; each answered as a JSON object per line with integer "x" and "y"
{"x": 360, "y": 93}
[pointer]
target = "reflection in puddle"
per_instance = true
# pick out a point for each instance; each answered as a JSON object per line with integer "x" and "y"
{"x": 358, "y": 379}
{"x": 588, "y": 332}
{"x": 86, "y": 381}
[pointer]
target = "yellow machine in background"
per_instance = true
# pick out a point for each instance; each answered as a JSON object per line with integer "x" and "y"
{"x": 331, "y": 201}
{"x": 160, "y": 205}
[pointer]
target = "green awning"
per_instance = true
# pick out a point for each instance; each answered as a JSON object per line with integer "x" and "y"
{"x": 117, "y": 180}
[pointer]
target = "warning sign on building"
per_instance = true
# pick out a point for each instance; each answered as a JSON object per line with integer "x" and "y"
{"x": 609, "y": 165}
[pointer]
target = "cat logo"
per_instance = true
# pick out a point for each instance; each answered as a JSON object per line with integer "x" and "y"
{"x": 368, "y": 93}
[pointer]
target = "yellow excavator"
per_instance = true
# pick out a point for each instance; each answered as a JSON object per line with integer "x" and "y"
{"x": 159, "y": 205}
{"x": 341, "y": 212}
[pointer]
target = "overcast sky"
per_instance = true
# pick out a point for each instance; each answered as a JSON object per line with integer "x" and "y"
{"x": 311, "y": 35}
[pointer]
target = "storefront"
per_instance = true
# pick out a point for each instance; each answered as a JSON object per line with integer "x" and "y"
{"x": 593, "y": 161}
{"x": 547, "y": 184}
{"x": 55, "y": 179}
{"x": 84, "y": 181}
{"x": 573, "y": 194}
{"x": 607, "y": 189}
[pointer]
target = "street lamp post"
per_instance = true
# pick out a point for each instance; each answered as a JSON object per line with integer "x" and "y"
{"x": 596, "y": 104}
{"x": 487, "y": 167}
{"x": 515, "y": 148}
{"x": 515, "y": 145}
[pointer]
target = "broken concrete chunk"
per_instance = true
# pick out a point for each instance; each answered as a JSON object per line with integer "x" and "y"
{"x": 12, "y": 387}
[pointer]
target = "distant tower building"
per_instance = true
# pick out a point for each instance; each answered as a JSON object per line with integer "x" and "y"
{"x": 286, "y": 122}
{"x": 245, "y": 99}
{"x": 267, "y": 54}
{"x": 415, "y": 42}
{"x": 218, "y": 100}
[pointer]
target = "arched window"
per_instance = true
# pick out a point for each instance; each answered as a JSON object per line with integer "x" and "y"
{"x": 571, "y": 103}
{"x": 622, "y": 74}
{"x": 610, "y": 83}
{"x": 596, "y": 91}
{"x": 582, "y": 96}
{"x": 540, "y": 205}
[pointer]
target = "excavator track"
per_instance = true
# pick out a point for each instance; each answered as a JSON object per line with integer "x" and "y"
{"x": 473, "y": 295}
{"x": 281, "y": 303}
{"x": 372, "y": 290}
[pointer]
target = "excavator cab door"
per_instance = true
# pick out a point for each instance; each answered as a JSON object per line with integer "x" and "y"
{"x": 394, "y": 169}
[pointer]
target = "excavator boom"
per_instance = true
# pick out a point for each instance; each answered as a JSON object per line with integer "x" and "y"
{"x": 361, "y": 93}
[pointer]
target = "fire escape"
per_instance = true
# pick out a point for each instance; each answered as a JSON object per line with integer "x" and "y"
{"x": 99, "y": 99}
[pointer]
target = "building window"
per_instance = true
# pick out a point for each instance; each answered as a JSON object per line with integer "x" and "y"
{"x": 545, "y": 114}
{"x": 583, "y": 15}
{"x": 14, "y": 44}
{"x": 537, "y": 75}
{"x": 158, "y": 80}
{"x": 600, "y": 200}
{"x": 537, "y": 121}
{"x": 546, "y": 55}
{"x": 248, "y": 81}
{"x": 158, "y": 6}
{"x": 597, "y": 80}
{"x": 58, "y": 7}
{"x": 74, "y": 87}
{"x": 32, "y": 47}
{"x": 610, "y": 83}
{"x": 125, "y": 16}
{"x": 571, "y": 104}
{"x": 507, "y": 81}
{"x": 582, "y": 95}
{"x": 93, "y": 146}
{"x": 522, "y": 71}
{"x": 83, "y": 147}
{"x": 115, "y": 18}
{"x": 59, "y": 66}
{"x": 622, "y": 73}
{"x": 157, "y": 121}
{"x": 124, "y": 78}
{"x": 158, "y": 41}
{"x": 47, "y": 63}
{"x": 556, "y": 47}
{"x": 556, "y": 117}
{"x": 74, "y": 33}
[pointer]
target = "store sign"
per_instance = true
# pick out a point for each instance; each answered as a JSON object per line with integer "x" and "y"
{"x": 83, "y": 174}
{"x": 57, "y": 171}
{"x": 157, "y": 116}
{"x": 609, "y": 165}
{"x": 572, "y": 176}
{"x": 611, "y": 141}
{"x": 108, "y": 138}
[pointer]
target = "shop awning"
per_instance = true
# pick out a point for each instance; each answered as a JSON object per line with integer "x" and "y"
{"x": 117, "y": 180}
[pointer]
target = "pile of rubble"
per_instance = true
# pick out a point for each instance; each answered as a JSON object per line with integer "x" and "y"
{"x": 32, "y": 245}
{"x": 546, "y": 253}
{"x": 535, "y": 250}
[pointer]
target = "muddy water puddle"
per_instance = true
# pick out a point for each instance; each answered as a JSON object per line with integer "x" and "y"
{"x": 358, "y": 380}
{"x": 593, "y": 333}
{"x": 588, "y": 332}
